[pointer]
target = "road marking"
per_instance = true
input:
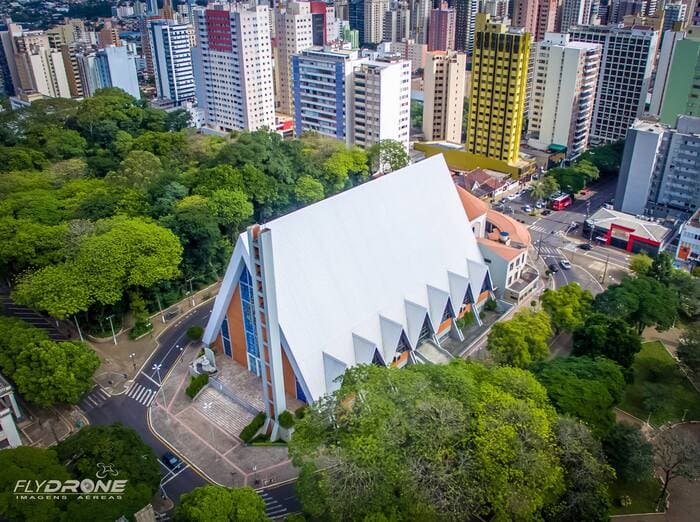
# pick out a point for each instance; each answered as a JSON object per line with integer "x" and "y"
{"x": 141, "y": 392}
{"x": 149, "y": 378}
{"x": 173, "y": 475}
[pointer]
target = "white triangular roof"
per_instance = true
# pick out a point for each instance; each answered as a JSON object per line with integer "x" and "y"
{"x": 350, "y": 264}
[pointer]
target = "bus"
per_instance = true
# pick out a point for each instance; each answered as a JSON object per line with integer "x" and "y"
{"x": 561, "y": 202}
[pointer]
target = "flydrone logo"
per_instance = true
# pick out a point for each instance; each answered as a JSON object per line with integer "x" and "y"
{"x": 106, "y": 487}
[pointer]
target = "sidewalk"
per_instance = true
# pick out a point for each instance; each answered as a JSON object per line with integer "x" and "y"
{"x": 205, "y": 432}
{"x": 118, "y": 368}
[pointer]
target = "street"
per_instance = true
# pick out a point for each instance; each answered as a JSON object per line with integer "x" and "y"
{"x": 555, "y": 238}
{"x": 131, "y": 409}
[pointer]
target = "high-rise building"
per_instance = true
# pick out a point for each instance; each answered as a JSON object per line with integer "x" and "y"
{"x": 575, "y": 12}
{"x": 660, "y": 169}
{"x": 233, "y": 66}
{"x": 356, "y": 17}
{"x": 397, "y": 24}
{"x": 380, "y": 101}
{"x": 293, "y": 35}
{"x": 420, "y": 19}
{"x": 108, "y": 35}
{"x": 321, "y": 87}
{"x": 443, "y": 89}
{"x": 663, "y": 69}
{"x": 39, "y": 67}
{"x": 172, "y": 60}
{"x": 408, "y": 50}
{"x": 322, "y": 19}
{"x": 116, "y": 67}
{"x": 8, "y": 67}
{"x": 537, "y": 17}
{"x": 680, "y": 94}
{"x": 441, "y": 29}
{"x": 465, "y": 19}
{"x": 675, "y": 12}
{"x": 498, "y": 82}
{"x": 561, "y": 105}
{"x": 367, "y": 16}
{"x": 625, "y": 73}
{"x": 152, "y": 7}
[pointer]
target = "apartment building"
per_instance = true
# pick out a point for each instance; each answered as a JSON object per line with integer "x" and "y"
{"x": 443, "y": 90}
{"x": 172, "y": 60}
{"x": 537, "y": 17}
{"x": 380, "y": 101}
{"x": 465, "y": 21}
{"x": 563, "y": 95}
{"x": 626, "y": 67}
{"x": 294, "y": 33}
{"x": 498, "y": 85}
{"x": 321, "y": 79}
{"x": 233, "y": 67}
{"x": 575, "y": 12}
{"x": 441, "y": 29}
{"x": 409, "y": 50}
{"x": 397, "y": 23}
{"x": 660, "y": 170}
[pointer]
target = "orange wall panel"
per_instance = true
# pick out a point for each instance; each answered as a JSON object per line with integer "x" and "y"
{"x": 237, "y": 329}
{"x": 290, "y": 385}
{"x": 444, "y": 325}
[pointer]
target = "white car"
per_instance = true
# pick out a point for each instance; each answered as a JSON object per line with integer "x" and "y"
{"x": 565, "y": 264}
{"x": 539, "y": 204}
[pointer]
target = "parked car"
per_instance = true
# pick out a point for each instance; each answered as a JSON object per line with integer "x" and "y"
{"x": 527, "y": 208}
{"x": 586, "y": 246}
{"x": 540, "y": 204}
{"x": 546, "y": 212}
{"x": 171, "y": 461}
{"x": 553, "y": 267}
{"x": 565, "y": 264}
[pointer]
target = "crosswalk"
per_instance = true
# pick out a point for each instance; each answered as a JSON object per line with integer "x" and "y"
{"x": 273, "y": 509}
{"x": 550, "y": 251}
{"x": 93, "y": 399}
{"x": 141, "y": 394}
{"x": 537, "y": 228}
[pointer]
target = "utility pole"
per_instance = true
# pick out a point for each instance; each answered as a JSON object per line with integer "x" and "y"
{"x": 191, "y": 290}
{"x": 160, "y": 307}
{"x": 111, "y": 325}
{"x": 80, "y": 333}
{"x": 605, "y": 270}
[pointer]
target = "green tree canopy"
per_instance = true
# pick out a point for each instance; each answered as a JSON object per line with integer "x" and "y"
{"x": 567, "y": 306}
{"x": 387, "y": 156}
{"x": 641, "y": 263}
{"x": 641, "y": 301}
{"x": 629, "y": 452}
{"x": 611, "y": 337}
{"x": 220, "y": 504}
{"x": 583, "y": 387}
{"x": 522, "y": 340}
{"x": 688, "y": 347}
{"x": 424, "y": 442}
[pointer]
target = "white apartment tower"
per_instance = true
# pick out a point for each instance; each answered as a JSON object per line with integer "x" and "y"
{"x": 172, "y": 60}
{"x": 444, "y": 96}
{"x": 374, "y": 20}
{"x": 293, "y": 28}
{"x": 626, "y": 65}
{"x": 233, "y": 66}
{"x": 380, "y": 101}
{"x": 574, "y": 12}
{"x": 563, "y": 95}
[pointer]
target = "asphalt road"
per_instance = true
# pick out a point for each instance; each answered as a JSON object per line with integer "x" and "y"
{"x": 131, "y": 409}
{"x": 554, "y": 237}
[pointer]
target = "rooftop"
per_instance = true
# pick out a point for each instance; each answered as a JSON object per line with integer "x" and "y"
{"x": 653, "y": 230}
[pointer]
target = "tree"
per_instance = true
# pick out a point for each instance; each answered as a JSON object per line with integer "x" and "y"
{"x": 28, "y": 463}
{"x": 689, "y": 347}
{"x": 220, "y": 504}
{"x": 568, "y": 306}
{"x": 428, "y": 442}
{"x": 662, "y": 268}
{"x": 688, "y": 289}
{"x": 49, "y": 373}
{"x": 129, "y": 456}
{"x": 629, "y": 452}
{"x": 16, "y": 335}
{"x": 676, "y": 454}
{"x": 586, "y": 474}
{"x": 522, "y": 340}
{"x": 606, "y": 157}
{"x": 138, "y": 170}
{"x": 545, "y": 188}
{"x": 584, "y": 388}
{"x": 641, "y": 301}
{"x": 387, "y": 156}
{"x": 611, "y": 337}
{"x": 641, "y": 263}
{"x": 307, "y": 190}
{"x": 231, "y": 209}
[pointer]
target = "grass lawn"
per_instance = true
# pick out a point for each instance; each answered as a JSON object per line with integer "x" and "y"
{"x": 642, "y": 494}
{"x": 660, "y": 388}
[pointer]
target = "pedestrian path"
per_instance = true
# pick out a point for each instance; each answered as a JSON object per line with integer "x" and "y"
{"x": 93, "y": 399}
{"x": 537, "y": 228}
{"x": 226, "y": 414}
{"x": 550, "y": 251}
{"x": 141, "y": 394}
{"x": 273, "y": 509}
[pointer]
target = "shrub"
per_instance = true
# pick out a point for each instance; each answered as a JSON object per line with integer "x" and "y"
{"x": 196, "y": 384}
{"x": 286, "y": 419}
{"x": 300, "y": 412}
{"x": 139, "y": 329}
{"x": 251, "y": 429}
{"x": 490, "y": 305}
{"x": 195, "y": 333}
{"x": 466, "y": 320}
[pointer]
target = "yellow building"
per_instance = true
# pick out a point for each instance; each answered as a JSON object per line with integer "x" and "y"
{"x": 498, "y": 84}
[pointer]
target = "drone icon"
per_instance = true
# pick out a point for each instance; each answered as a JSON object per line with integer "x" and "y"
{"x": 104, "y": 470}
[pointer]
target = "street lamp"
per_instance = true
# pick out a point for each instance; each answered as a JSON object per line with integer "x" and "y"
{"x": 191, "y": 290}
{"x": 156, "y": 368}
{"x": 111, "y": 325}
{"x": 206, "y": 407}
{"x": 132, "y": 356}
